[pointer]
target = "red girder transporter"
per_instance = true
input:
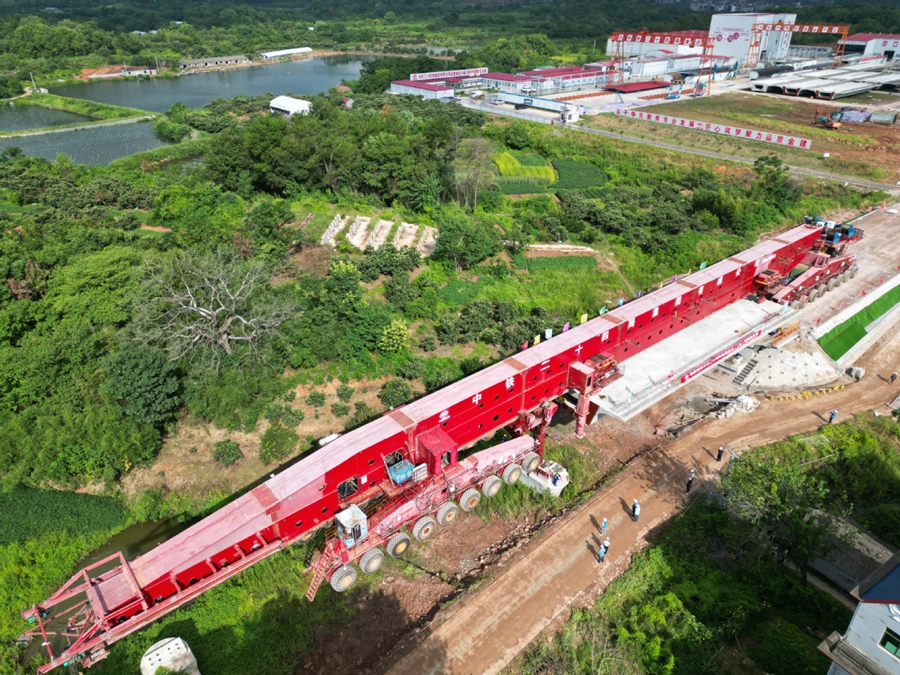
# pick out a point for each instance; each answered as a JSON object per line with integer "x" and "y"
{"x": 408, "y": 459}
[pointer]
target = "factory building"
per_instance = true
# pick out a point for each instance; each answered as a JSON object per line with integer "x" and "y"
{"x": 423, "y": 89}
{"x": 873, "y": 44}
{"x": 289, "y": 106}
{"x": 733, "y": 35}
{"x": 212, "y": 61}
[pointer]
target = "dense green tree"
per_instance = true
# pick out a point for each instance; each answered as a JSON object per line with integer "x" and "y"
{"x": 143, "y": 382}
{"x": 465, "y": 242}
{"x": 395, "y": 393}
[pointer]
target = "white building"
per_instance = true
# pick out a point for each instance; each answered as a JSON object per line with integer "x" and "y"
{"x": 871, "y": 645}
{"x": 284, "y": 52}
{"x": 423, "y": 89}
{"x": 873, "y": 44}
{"x": 733, "y": 35}
{"x": 289, "y": 106}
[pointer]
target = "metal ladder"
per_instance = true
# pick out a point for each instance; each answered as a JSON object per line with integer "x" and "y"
{"x": 321, "y": 563}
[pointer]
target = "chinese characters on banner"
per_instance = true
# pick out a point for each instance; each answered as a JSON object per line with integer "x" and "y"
{"x": 734, "y": 132}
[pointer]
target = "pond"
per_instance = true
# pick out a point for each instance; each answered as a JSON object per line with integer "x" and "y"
{"x": 311, "y": 76}
{"x": 23, "y": 117}
{"x": 89, "y": 145}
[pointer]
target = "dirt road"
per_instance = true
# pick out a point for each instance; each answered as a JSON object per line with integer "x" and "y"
{"x": 558, "y": 569}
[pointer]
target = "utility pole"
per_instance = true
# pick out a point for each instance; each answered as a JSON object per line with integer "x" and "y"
{"x": 594, "y": 48}
{"x": 33, "y": 85}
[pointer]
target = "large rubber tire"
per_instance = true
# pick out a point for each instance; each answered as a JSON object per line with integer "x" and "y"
{"x": 343, "y": 578}
{"x": 371, "y": 561}
{"x": 853, "y": 272}
{"x": 802, "y": 303}
{"x": 511, "y": 474}
{"x": 424, "y": 528}
{"x": 795, "y": 304}
{"x": 469, "y": 500}
{"x": 812, "y": 295}
{"x": 831, "y": 284}
{"x": 821, "y": 290}
{"x": 491, "y": 486}
{"x": 398, "y": 545}
{"x": 447, "y": 514}
{"x": 530, "y": 462}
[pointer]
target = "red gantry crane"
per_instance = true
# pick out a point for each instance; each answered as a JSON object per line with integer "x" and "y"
{"x": 761, "y": 29}
{"x": 400, "y": 476}
{"x": 621, "y": 39}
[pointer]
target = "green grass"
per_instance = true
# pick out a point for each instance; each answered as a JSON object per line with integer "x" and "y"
{"x": 586, "y": 287}
{"x": 840, "y": 339}
{"x": 521, "y": 188}
{"x": 29, "y": 513}
{"x": 256, "y": 622}
{"x": 92, "y": 109}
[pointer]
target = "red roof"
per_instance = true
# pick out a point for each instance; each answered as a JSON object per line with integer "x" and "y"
{"x": 552, "y": 72}
{"x": 866, "y": 37}
{"x": 632, "y": 87}
{"x": 422, "y": 85}
{"x": 506, "y": 77}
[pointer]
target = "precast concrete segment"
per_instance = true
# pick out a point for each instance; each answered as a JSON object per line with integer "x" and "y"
{"x": 646, "y": 378}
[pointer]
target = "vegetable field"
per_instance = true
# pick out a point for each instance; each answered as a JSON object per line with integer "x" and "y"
{"x": 574, "y": 174}
{"x": 30, "y": 513}
{"x": 510, "y": 167}
{"x": 529, "y": 159}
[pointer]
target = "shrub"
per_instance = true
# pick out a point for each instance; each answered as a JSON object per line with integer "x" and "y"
{"x": 345, "y": 393}
{"x": 340, "y": 409}
{"x": 316, "y": 399}
{"x": 362, "y": 413}
{"x": 428, "y": 343}
{"x": 278, "y": 442}
{"x": 395, "y": 392}
{"x": 412, "y": 369}
{"x": 227, "y": 453}
{"x": 284, "y": 413}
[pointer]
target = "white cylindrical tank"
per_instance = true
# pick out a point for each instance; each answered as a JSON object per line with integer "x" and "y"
{"x": 172, "y": 654}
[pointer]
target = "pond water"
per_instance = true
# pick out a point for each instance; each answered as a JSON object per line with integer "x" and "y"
{"x": 89, "y": 145}
{"x": 24, "y": 117}
{"x": 136, "y": 540}
{"x": 311, "y": 76}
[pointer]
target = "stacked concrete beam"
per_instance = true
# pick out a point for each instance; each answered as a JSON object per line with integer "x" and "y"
{"x": 336, "y": 226}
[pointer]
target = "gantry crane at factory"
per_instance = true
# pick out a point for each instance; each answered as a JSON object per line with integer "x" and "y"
{"x": 621, "y": 39}
{"x": 395, "y": 479}
{"x": 760, "y": 30}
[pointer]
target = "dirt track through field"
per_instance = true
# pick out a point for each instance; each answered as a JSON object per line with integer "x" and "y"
{"x": 490, "y": 628}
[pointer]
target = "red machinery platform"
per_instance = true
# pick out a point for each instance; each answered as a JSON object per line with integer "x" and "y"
{"x": 515, "y": 394}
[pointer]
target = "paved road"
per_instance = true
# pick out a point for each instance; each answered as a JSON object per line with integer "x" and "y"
{"x": 494, "y": 625}
{"x": 871, "y": 185}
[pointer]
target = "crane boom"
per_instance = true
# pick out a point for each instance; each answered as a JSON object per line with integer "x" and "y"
{"x": 408, "y": 456}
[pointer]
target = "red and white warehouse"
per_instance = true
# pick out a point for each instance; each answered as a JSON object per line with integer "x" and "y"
{"x": 873, "y": 44}
{"x": 423, "y": 89}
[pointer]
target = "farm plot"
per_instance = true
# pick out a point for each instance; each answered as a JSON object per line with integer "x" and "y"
{"x": 510, "y": 167}
{"x": 574, "y": 175}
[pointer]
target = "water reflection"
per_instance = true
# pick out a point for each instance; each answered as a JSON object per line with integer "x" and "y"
{"x": 89, "y": 145}
{"x": 23, "y": 117}
{"x": 312, "y": 76}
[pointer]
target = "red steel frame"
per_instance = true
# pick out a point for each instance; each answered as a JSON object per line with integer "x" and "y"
{"x": 622, "y": 38}
{"x": 760, "y": 29}
{"x": 292, "y": 505}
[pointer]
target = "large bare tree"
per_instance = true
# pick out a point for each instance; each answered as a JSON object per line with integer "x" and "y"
{"x": 472, "y": 169}
{"x": 203, "y": 306}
